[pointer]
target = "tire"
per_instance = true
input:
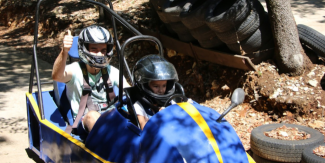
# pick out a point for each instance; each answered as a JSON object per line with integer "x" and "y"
{"x": 265, "y": 53}
{"x": 171, "y": 10}
{"x": 246, "y": 28}
{"x": 193, "y": 14}
{"x": 157, "y": 4}
{"x": 179, "y": 28}
{"x": 254, "y": 42}
{"x": 309, "y": 157}
{"x": 227, "y": 14}
{"x": 312, "y": 38}
{"x": 182, "y": 32}
{"x": 282, "y": 150}
{"x": 186, "y": 37}
{"x": 213, "y": 42}
{"x": 259, "y": 159}
{"x": 203, "y": 33}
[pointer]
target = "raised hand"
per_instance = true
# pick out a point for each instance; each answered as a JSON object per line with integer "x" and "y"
{"x": 67, "y": 42}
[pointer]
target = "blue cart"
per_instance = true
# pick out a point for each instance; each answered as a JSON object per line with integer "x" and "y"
{"x": 183, "y": 132}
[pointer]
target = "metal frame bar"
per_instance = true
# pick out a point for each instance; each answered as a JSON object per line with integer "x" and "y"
{"x": 119, "y": 49}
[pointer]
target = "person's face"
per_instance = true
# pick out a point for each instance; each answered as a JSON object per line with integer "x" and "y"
{"x": 98, "y": 49}
{"x": 158, "y": 86}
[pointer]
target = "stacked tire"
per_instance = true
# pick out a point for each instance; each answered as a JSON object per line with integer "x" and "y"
{"x": 168, "y": 12}
{"x": 268, "y": 149}
{"x": 312, "y": 38}
{"x": 193, "y": 17}
{"x": 308, "y": 155}
{"x": 242, "y": 25}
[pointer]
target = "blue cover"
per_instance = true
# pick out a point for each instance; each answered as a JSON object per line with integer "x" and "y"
{"x": 172, "y": 135}
{"x": 114, "y": 138}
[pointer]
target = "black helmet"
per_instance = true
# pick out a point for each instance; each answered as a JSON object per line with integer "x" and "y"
{"x": 153, "y": 68}
{"x": 95, "y": 34}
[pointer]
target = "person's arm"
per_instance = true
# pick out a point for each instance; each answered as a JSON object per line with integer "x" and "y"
{"x": 125, "y": 83}
{"x": 139, "y": 110}
{"x": 59, "y": 72}
{"x": 142, "y": 121}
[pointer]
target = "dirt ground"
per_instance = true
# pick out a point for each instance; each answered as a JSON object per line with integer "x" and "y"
{"x": 270, "y": 97}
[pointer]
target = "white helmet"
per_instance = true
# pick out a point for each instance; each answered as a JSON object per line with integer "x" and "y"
{"x": 95, "y": 34}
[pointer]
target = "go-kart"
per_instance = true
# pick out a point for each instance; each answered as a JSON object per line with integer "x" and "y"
{"x": 183, "y": 132}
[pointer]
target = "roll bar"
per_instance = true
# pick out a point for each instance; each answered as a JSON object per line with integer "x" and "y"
{"x": 119, "y": 49}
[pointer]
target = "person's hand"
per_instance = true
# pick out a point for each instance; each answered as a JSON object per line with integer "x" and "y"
{"x": 67, "y": 42}
{"x": 162, "y": 108}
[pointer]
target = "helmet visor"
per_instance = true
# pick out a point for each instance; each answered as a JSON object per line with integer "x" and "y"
{"x": 157, "y": 70}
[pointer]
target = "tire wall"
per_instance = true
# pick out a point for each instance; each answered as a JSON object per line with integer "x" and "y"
{"x": 282, "y": 150}
{"x": 242, "y": 25}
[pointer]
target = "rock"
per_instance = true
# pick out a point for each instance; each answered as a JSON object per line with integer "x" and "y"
{"x": 316, "y": 124}
{"x": 312, "y": 73}
{"x": 214, "y": 85}
{"x": 188, "y": 71}
{"x": 208, "y": 95}
{"x": 225, "y": 87}
{"x": 283, "y": 133}
{"x": 60, "y": 10}
{"x": 194, "y": 64}
{"x": 171, "y": 53}
{"x": 182, "y": 55}
{"x": 313, "y": 82}
{"x": 295, "y": 89}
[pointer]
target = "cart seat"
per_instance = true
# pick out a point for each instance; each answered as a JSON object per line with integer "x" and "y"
{"x": 63, "y": 103}
{"x": 73, "y": 52}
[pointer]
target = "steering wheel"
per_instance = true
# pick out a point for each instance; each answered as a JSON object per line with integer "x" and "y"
{"x": 175, "y": 96}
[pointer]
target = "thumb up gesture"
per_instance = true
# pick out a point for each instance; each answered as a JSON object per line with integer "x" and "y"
{"x": 67, "y": 42}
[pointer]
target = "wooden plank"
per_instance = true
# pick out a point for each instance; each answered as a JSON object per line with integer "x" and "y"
{"x": 214, "y": 56}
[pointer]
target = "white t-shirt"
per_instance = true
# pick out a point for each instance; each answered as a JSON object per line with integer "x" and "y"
{"x": 74, "y": 86}
{"x": 139, "y": 109}
{"x": 147, "y": 114}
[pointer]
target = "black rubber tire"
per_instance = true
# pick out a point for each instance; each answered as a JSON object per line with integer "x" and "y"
{"x": 179, "y": 28}
{"x": 186, "y": 37}
{"x": 259, "y": 159}
{"x": 193, "y": 13}
{"x": 227, "y": 14}
{"x": 168, "y": 11}
{"x": 312, "y": 38}
{"x": 309, "y": 157}
{"x": 171, "y": 10}
{"x": 282, "y": 150}
{"x": 246, "y": 28}
{"x": 265, "y": 53}
{"x": 203, "y": 33}
{"x": 157, "y": 4}
{"x": 212, "y": 42}
{"x": 254, "y": 42}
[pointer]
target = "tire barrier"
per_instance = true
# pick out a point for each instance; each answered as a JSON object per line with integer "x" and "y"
{"x": 312, "y": 38}
{"x": 308, "y": 155}
{"x": 242, "y": 25}
{"x": 282, "y": 150}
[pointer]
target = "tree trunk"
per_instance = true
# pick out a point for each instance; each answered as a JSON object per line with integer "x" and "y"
{"x": 289, "y": 54}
